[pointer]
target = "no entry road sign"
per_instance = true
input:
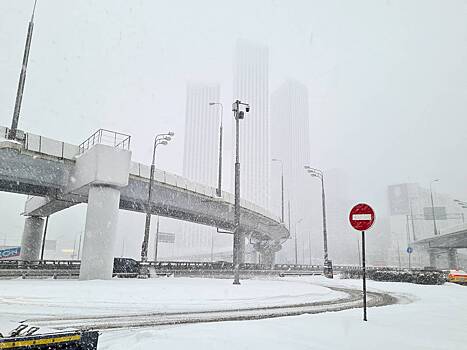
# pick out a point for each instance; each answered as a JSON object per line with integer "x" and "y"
{"x": 362, "y": 217}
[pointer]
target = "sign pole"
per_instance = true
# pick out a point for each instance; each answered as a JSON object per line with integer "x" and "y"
{"x": 361, "y": 218}
{"x": 364, "y": 275}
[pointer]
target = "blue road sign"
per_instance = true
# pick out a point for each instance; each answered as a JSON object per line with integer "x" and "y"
{"x": 9, "y": 252}
{"x": 409, "y": 250}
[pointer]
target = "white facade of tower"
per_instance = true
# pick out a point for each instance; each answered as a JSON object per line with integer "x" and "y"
{"x": 290, "y": 142}
{"x": 251, "y": 85}
{"x": 200, "y": 158}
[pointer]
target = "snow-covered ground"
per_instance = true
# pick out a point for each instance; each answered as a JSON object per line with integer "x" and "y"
{"x": 22, "y": 299}
{"x": 429, "y": 317}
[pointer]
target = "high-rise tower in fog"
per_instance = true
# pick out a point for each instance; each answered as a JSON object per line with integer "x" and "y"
{"x": 290, "y": 142}
{"x": 201, "y": 134}
{"x": 200, "y": 156}
{"x": 251, "y": 85}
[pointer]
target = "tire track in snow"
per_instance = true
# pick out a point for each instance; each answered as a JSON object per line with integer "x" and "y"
{"x": 352, "y": 300}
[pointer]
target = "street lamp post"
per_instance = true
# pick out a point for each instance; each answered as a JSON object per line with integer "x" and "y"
{"x": 309, "y": 245}
{"x": 296, "y": 242}
{"x": 22, "y": 79}
{"x": 212, "y": 246}
{"x": 219, "y": 180}
{"x": 282, "y": 187}
{"x": 237, "y": 251}
{"x": 463, "y": 205}
{"x": 160, "y": 139}
{"x": 156, "y": 243}
{"x": 319, "y": 174}
{"x": 433, "y": 206}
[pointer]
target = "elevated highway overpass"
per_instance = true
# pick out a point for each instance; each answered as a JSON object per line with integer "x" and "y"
{"x": 447, "y": 242}
{"x": 57, "y": 175}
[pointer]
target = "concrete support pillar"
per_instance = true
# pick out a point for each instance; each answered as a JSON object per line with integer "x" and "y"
{"x": 432, "y": 259}
{"x": 268, "y": 258}
{"x": 99, "y": 233}
{"x": 103, "y": 170}
{"x": 32, "y": 238}
{"x": 452, "y": 259}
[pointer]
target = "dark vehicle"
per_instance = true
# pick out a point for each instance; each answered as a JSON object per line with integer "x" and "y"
{"x": 126, "y": 267}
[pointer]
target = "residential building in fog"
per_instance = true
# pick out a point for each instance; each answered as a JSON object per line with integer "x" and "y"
{"x": 200, "y": 158}
{"x": 251, "y": 85}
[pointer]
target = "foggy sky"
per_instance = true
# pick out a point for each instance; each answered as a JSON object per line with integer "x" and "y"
{"x": 387, "y": 79}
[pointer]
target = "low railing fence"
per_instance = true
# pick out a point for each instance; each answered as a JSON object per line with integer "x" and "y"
{"x": 106, "y": 137}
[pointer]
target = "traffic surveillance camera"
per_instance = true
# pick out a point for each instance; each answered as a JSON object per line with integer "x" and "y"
{"x": 241, "y": 115}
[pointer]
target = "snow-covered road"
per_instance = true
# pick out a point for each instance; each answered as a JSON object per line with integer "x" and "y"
{"x": 430, "y": 317}
{"x": 352, "y": 299}
{"x": 26, "y": 299}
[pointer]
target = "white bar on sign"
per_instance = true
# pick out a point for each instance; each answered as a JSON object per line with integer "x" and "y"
{"x": 361, "y": 217}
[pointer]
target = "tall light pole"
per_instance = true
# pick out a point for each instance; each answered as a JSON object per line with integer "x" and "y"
{"x": 433, "y": 206}
{"x": 319, "y": 174}
{"x": 156, "y": 243}
{"x": 237, "y": 244}
{"x": 282, "y": 187}
{"x": 22, "y": 78}
{"x": 290, "y": 232}
{"x": 219, "y": 180}
{"x": 309, "y": 244}
{"x": 463, "y": 205}
{"x": 212, "y": 246}
{"x": 160, "y": 139}
{"x": 296, "y": 242}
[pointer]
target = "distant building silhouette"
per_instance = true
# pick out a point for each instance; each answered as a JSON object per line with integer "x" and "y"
{"x": 199, "y": 157}
{"x": 251, "y": 85}
{"x": 290, "y": 142}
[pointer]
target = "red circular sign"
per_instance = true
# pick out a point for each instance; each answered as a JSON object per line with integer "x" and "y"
{"x": 362, "y": 217}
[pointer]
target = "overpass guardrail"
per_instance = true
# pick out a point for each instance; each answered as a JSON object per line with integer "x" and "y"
{"x": 129, "y": 267}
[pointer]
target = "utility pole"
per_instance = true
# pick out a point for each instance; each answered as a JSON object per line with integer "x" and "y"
{"x": 219, "y": 174}
{"x": 22, "y": 79}
{"x": 238, "y": 236}
{"x": 433, "y": 207}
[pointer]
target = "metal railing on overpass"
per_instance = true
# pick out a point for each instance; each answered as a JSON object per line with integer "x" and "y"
{"x": 130, "y": 267}
{"x": 106, "y": 137}
{"x": 62, "y": 150}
